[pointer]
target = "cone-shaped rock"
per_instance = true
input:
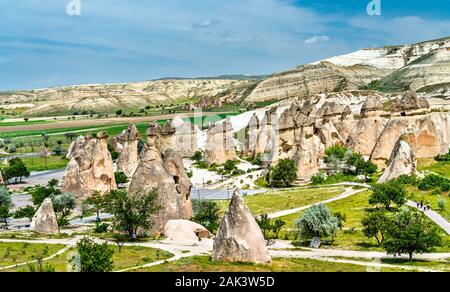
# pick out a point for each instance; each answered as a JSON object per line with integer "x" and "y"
{"x": 239, "y": 238}
{"x": 402, "y": 162}
{"x": 44, "y": 221}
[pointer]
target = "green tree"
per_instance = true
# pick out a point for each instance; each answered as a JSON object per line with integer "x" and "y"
{"x": 132, "y": 212}
{"x": 16, "y": 170}
{"x": 317, "y": 221}
{"x": 198, "y": 156}
{"x": 357, "y": 165}
{"x": 375, "y": 224}
{"x": 206, "y": 213}
{"x": 63, "y": 204}
{"x": 98, "y": 202}
{"x": 409, "y": 232}
{"x": 40, "y": 193}
{"x": 264, "y": 223}
{"x": 387, "y": 194}
{"x": 25, "y": 212}
{"x": 276, "y": 227}
{"x": 284, "y": 173}
{"x": 95, "y": 257}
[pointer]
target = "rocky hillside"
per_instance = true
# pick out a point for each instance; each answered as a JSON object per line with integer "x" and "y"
{"x": 422, "y": 66}
{"x": 108, "y": 97}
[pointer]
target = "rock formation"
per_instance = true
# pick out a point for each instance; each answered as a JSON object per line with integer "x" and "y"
{"x": 220, "y": 145}
{"x": 2, "y": 182}
{"x": 184, "y": 230}
{"x": 165, "y": 173}
{"x": 401, "y": 162}
{"x": 239, "y": 238}
{"x": 410, "y": 104}
{"x": 128, "y": 159}
{"x": 267, "y": 143}
{"x": 252, "y": 132}
{"x": 368, "y": 127}
{"x": 44, "y": 221}
{"x": 181, "y": 136}
{"x": 90, "y": 168}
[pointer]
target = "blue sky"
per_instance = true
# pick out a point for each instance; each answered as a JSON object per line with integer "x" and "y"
{"x": 120, "y": 40}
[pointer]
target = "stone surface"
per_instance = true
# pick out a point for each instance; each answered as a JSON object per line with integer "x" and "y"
{"x": 44, "y": 221}
{"x": 220, "y": 144}
{"x": 410, "y": 102}
{"x": 181, "y": 136}
{"x": 402, "y": 161}
{"x": 167, "y": 175}
{"x": 90, "y": 168}
{"x": 239, "y": 238}
{"x": 184, "y": 230}
{"x": 128, "y": 159}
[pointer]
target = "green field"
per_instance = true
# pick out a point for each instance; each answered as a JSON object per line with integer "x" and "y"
{"x": 287, "y": 199}
{"x": 128, "y": 257}
{"x": 14, "y": 253}
{"x": 204, "y": 264}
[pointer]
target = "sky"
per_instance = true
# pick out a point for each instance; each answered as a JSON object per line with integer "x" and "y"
{"x": 41, "y": 45}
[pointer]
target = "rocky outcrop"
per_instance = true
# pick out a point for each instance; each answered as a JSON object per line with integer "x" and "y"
{"x": 402, "y": 161}
{"x": 410, "y": 104}
{"x": 220, "y": 145}
{"x": 368, "y": 127}
{"x": 128, "y": 159}
{"x": 185, "y": 231}
{"x": 165, "y": 174}
{"x": 90, "y": 168}
{"x": 44, "y": 221}
{"x": 239, "y": 238}
{"x": 267, "y": 142}
{"x": 252, "y": 132}
{"x": 431, "y": 135}
{"x": 181, "y": 136}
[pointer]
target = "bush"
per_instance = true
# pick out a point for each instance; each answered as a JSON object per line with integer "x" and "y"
{"x": 407, "y": 180}
{"x": 443, "y": 157}
{"x": 335, "y": 152}
{"x": 432, "y": 181}
{"x": 317, "y": 221}
{"x": 318, "y": 179}
{"x": 100, "y": 227}
{"x": 94, "y": 257}
{"x": 121, "y": 178}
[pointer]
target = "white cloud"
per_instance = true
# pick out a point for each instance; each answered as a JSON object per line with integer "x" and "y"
{"x": 317, "y": 39}
{"x": 206, "y": 23}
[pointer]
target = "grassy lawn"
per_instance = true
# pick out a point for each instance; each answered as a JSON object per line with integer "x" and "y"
{"x": 204, "y": 264}
{"x": 417, "y": 195}
{"x": 287, "y": 199}
{"x": 429, "y": 164}
{"x": 41, "y": 163}
{"x": 130, "y": 256}
{"x": 23, "y": 123}
{"x": 14, "y": 253}
{"x": 351, "y": 238}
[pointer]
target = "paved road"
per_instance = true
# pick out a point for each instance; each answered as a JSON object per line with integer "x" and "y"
{"x": 203, "y": 194}
{"x": 438, "y": 219}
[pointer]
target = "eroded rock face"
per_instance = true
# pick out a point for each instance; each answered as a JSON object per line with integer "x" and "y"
{"x": 239, "y": 238}
{"x": 252, "y": 132}
{"x": 167, "y": 175}
{"x": 410, "y": 103}
{"x": 128, "y": 159}
{"x": 90, "y": 168}
{"x": 402, "y": 161}
{"x": 220, "y": 145}
{"x": 368, "y": 128}
{"x": 44, "y": 221}
{"x": 181, "y": 136}
{"x": 185, "y": 231}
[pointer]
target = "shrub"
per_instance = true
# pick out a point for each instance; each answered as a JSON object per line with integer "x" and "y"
{"x": 207, "y": 213}
{"x": 121, "y": 178}
{"x": 443, "y": 157}
{"x": 432, "y": 181}
{"x": 317, "y": 221}
{"x": 95, "y": 257}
